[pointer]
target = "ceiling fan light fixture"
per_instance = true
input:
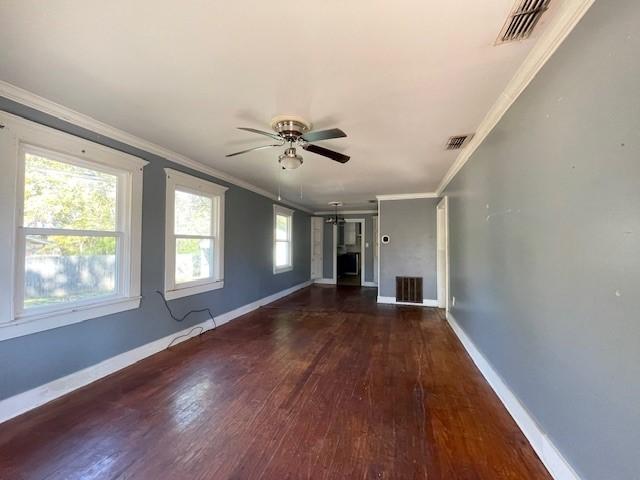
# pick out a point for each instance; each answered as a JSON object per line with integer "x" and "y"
{"x": 289, "y": 160}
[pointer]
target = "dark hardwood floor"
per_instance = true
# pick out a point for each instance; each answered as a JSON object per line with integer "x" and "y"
{"x": 324, "y": 384}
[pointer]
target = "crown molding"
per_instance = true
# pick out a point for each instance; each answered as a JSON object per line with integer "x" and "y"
{"x": 347, "y": 212}
{"x": 54, "y": 109}
{"x": 568, "y": 15}
{"x": 407, "y": 196}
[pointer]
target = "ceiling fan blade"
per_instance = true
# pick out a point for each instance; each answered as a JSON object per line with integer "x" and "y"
{"x": 325, "y": 152}
{"x": 268, "y": 134}
{"x": 323, "y": 135}
{"x": 252, "y": 149}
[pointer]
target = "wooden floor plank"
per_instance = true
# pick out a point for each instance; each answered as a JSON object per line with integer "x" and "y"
{"x": 323, "y": 384}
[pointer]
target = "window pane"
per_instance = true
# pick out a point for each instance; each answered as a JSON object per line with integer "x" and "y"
{"x": 61, "y": 268}
{"x": 282, "y": 254}
{"x": 282, "y": 227}
{"x": 194, "y": 259}
{"x": 193, "y": 214}
{"x": 61, "y": 195}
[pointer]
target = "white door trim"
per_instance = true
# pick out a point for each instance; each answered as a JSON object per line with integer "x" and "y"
{"x": 443, "y": 263}
{"x": 363, "y": 262}
{"x": 375, "y": 229}
{"x": 317, "y": 220}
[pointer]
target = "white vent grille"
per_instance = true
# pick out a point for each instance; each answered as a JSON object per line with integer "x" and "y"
{"x": 457, "y": 142}
{"x": 522, "y": 20}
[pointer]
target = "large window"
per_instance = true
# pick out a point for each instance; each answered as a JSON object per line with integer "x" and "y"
{"x": 194, "y": 248}
{"x": 282, "y": 239}
{"x": 70, "y": 232}
{"x": 76, "y": 210}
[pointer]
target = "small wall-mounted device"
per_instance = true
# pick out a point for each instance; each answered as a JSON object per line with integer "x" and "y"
{"x": 385, "y": 239}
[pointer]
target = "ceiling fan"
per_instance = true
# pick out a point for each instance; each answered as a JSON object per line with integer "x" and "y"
{"x": 296, "y": 132}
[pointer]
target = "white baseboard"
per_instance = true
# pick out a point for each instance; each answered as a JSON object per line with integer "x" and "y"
{"x": 25, "y": 401}
{"x": 553, "y": 460}
{"x": 331, "y": 281}
{"x": 250, "y": 307}
{"x": 426, "y": 302}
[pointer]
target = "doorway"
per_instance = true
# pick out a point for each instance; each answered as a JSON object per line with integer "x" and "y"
{"x": 349, "y": 252}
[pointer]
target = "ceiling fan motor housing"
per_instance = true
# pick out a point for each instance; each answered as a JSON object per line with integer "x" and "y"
{"x": 290, "y": 127}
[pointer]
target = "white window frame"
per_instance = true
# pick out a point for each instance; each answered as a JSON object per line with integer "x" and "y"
{"x": 19, "y": 136}
{"x": 287, "y": 212}
{"x": 176, "y": 180}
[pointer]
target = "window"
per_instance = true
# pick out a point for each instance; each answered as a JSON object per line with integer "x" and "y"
{"x": 282, "y": 235}
{"x": 76, "y": 210}
{"x": 194, "y": 246}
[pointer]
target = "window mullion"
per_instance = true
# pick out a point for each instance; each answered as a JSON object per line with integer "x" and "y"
{"x": 70, "y": 232}
{"x": 195, "y": 237}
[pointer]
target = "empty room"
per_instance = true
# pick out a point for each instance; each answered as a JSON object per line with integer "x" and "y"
{"x": 320, "y": 240}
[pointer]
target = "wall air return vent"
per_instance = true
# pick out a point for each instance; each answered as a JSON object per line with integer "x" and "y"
{"x": 522, "y": 20}
{"x": 409, "y": 289}
{"x": 457, "y": 142}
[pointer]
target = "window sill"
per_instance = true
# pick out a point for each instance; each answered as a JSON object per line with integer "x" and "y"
{"x": 277, "y": 270}
{"x": 193, "y": 290}
{"x": 34, "y": 323}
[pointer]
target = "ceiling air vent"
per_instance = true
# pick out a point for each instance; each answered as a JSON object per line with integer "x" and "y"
{"x": 457, "y": 142}
{"x": 522, "y": 20}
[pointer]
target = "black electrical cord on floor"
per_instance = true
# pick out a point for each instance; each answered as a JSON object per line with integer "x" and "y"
{"x": 180, "y": 319}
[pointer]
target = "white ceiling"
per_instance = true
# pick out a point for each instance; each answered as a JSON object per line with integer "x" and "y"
{"x": 399, "y": 77}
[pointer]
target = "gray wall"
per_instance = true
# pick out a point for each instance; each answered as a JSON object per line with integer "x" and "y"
{"x": 35, "y": 359}
{"x": 411, "y": 225}
{"x": 545, "y": 245}
{"x": 327, "y": 247}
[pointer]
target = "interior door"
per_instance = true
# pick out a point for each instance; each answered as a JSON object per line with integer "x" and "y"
{"x": 317, "y": 224}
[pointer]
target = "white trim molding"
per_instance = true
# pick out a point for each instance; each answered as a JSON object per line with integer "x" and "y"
{"x": 49, "y": 107}
{"x": 325, "y": 281}
{"x": 556, "y": 464}
{"x": 25, "y": 401}
{"x": 250, "y": 307}
{"x": 68, "y": 316}
{"x": 566, "y": 17}
{"x": 347, "y": 212}
{"x": 407, "y": 196}
{"x": 370, "y": 284}
{"x": 426, "y": 302}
